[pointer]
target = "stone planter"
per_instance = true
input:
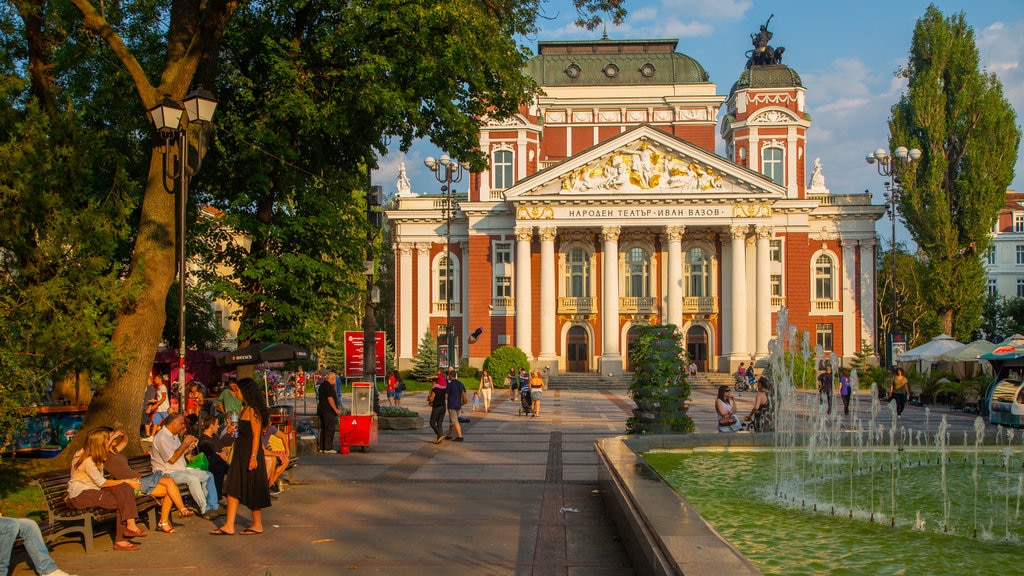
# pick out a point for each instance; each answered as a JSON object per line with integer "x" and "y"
{"x": 399, "y": 422}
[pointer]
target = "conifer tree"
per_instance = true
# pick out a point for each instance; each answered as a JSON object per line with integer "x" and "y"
{"x": 425, "y": 364}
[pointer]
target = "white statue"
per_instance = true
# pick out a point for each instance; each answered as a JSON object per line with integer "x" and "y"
{"x": 817, "y": 180}
{"x": 404, "y": 186}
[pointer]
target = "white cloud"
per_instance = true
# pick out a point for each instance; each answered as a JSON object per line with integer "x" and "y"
{"x": 717, "y": 10}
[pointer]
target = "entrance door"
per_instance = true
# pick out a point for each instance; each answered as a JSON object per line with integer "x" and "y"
{"x": 577, "y": 350}
{"x": 630, "y": 338}
{"x": 697, "y": 346}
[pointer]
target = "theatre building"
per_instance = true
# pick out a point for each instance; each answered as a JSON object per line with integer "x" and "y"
{"x": 606, "y": 208}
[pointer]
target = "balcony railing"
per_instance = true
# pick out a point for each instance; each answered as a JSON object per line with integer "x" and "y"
{"x": 822, "y": 306}
{"x": 636, "y": 305}
{"x": 441, "y": 307}
{"x": 496, "y": 195}
{"x": 577, "y": 305}
{"x": 503, "y": 303}
{"x": 700, "y": 305}
{"x": 778, "y": 301}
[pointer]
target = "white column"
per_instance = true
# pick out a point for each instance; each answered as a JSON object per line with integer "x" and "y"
{"x": 423, "y": 290}
{"x": 868, "y": 326}
{"x": 849, "y": 301}
{"x": 740, "y": 351}
{"x": 674, "y": 239}
{"x": 763, "y": 296}
{"x": 485, "y": 176}
{"x": 524, "y": 284}
{"x": 548, "y": 311}
{"x": 725, "y": 299}
{"x": 406, "y": 332}
{"x": 611, "y": 360}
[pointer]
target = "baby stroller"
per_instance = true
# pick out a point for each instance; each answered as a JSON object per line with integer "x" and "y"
{"x": 526, "y": 399}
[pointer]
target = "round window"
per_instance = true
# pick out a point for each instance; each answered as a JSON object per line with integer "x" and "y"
{"x": 647, "y": 70}
{"x": 572, "y": 71}
{"x": 611, "y": 70}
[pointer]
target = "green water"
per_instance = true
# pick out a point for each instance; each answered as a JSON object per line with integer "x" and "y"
{"x": 977, "y": 529}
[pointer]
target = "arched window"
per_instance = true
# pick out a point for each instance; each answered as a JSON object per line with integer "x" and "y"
{"x": 773, "y": 165}
{"x": 577, "y": 279}
{"x": 698, "y": 273}
{"x": 824, "y": 275}
{"x": 502, "y": 169}
{"x": 638, "y": 266}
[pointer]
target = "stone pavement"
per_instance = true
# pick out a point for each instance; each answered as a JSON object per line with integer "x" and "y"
{"x": 519, "y": 496}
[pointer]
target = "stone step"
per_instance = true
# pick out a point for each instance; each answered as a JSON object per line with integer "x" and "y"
{"x": 588, "y": 380}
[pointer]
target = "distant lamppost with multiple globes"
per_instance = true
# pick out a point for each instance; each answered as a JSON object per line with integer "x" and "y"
{"x": 890, "y": 167}
{"x": 447, "y": 171}
{"x": 170, "y": 122}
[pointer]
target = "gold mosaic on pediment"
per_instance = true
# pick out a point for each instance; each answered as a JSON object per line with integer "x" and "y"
{"x": 641, "y": 167}
{"x": 535, "y": 213}
{"x": 576, "y": 235}
{"x": 700, "y": 235}
{"x": 751, "y": 211}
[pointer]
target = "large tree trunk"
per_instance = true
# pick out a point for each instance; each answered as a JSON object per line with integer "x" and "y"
{"x": 137, "y": 333}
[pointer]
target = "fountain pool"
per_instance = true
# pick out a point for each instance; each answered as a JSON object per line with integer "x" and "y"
{"x": 798, "y": 530}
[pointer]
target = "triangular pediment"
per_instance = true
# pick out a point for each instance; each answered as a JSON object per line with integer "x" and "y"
{"x": 645, "y": 162}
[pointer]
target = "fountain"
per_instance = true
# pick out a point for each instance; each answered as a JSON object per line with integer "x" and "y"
{"x": 859, "y": 494}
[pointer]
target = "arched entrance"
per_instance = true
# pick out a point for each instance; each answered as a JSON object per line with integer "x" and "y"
{"x": 697, "y": 346}
{"x": 577, "y": 350}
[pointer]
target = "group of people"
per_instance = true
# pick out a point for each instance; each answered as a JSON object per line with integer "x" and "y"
{"x": 527, "y": 388}
{"x": 447, "y": 397}
{"x": 242, "y": 458}
{"x": 762, "y": 414}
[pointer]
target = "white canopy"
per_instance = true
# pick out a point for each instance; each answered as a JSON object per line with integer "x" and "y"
{"x": 965, "y": 361}
{"x": 924, "y": 355}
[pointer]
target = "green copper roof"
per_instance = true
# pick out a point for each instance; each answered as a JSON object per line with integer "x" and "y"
{"x": 613, "y": 63}
{"x": 773, "y": 76}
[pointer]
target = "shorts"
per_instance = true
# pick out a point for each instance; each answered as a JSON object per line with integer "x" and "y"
{"x": 150, "y": 481}
{"x": 536, "y": 393}
{"x": 398, "y": 394}
{"x": 453, "y": 415}
{"x": 158, "y": 417}
{"x": 391, "y": 393}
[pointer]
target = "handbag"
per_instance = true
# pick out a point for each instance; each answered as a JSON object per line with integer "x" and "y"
{"x": 727, "y": 420}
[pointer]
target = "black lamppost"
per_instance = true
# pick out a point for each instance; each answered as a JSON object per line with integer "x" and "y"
{"x": 447, "y": 172}
{"x": 167, "y": 119}
{"x": 890, "y": 167}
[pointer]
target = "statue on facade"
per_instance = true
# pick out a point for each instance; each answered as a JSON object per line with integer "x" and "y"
{"x": 763, "y": 54}
{"x": 817, "y": 179}
{"x": 404, "y": 186}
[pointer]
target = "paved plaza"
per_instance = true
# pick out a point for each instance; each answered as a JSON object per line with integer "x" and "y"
{"x": 519, "y": 496}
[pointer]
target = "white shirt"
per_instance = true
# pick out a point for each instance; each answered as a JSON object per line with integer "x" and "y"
{"x": 165, "y": 404}
{"x": 162, "y": 450}
{"x": 87, "y": 476}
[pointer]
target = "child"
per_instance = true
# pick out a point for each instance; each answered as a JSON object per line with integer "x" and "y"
{"x": 476, "y": 401}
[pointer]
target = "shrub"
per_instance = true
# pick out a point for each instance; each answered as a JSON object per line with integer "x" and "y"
{"x": 396, "y": 412}
{"x": 502, "y": 360}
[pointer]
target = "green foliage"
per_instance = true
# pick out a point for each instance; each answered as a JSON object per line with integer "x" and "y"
{"x": 202, "y": 330}
{"x": 1002, "y": 318}
{"x": 424, "y": 366}
{"x": 917, "y": 317}
{"x": 659, "y": 385}
{"x": 957, "y": 115}
{"x": 502, "y": 360}
{"x": 395, "y": 412}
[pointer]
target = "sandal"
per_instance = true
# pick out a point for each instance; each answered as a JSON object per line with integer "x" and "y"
{"x": 185, "y": 513}
{"x": 134, "y": 533}
{"x": 166, "y": 527}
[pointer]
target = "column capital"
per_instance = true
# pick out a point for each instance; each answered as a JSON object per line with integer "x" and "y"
{"x": 848, "y": 243}
{"x": 674, "y": 233}
{"x": 610, "y": 233}
{"x": 547, "y": 233}
{"x": 738, "y": 232}
{"x": 763, "y": 231}
{"x": 403, "y": 248}
{"x": 423, "y": 247}
{"x": 868, "y": 242}
{"x": 524, "y": 233}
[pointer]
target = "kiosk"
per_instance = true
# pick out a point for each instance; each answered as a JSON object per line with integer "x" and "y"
{"x": 1004, "y": 399}
{"x": 359, "y": 428}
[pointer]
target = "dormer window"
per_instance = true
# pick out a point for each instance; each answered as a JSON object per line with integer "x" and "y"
{"x": 611, "y": 70}
{"x": 572, "y": 71}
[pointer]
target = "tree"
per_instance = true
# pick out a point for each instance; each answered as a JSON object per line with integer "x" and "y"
{"x": 957, "y": 115}
{"x": 424, "y": 366}
{"x": 915, "y": 317}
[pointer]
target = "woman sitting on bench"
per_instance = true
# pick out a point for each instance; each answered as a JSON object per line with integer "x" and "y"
{"x": 157, "y": 485}
{"x": 88, "y": 488}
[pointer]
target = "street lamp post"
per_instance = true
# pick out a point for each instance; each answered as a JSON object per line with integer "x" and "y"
{"x": 167, "y": 119}
{"x": 447, "y": 171}
{"x": 890, "y": 167}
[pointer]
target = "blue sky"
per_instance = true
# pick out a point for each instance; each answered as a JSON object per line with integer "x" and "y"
{"x": 845, "y": 52}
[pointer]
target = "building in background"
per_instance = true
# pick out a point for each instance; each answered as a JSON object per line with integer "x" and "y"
{"x": 1004, "y": 261}
{"x": 606, "y": 208}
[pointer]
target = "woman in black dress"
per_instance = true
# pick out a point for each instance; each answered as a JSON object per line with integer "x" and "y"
{"x": 246, "y": 482}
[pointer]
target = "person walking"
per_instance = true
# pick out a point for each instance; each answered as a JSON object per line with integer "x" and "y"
{"x": 899, "y": 390}
{"x": 485, "y": 389}
{"x": 536, "y": 391}
{"x": 246, "y": 482}
{"x": 845, "y": 390}
{"x": 456, "y": 399}
{"x": 825, "y": 388}
{"x": 328, "y": 411}
{"x": 438, "y": 403}
{"x": 512, "y": 381}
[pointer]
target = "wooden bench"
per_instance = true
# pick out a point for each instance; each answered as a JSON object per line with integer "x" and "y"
{"x": 63, "y": 519}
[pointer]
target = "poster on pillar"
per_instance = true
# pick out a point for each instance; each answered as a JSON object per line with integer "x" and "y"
{"x": 354, "y": 352}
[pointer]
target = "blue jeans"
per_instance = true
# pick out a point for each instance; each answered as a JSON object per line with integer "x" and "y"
{"x": 28, "y": 530}
{"x": 200, "y": 483}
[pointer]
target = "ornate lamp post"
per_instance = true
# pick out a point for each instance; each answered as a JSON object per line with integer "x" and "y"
{"x": 167, "y": 119}
{"x": 447, "y": 171}
{"x": 890, "y": 167}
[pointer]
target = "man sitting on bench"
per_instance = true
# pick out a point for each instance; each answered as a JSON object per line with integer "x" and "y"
{"x": 13, "y": 528}
{"x": 168, "y": 456}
